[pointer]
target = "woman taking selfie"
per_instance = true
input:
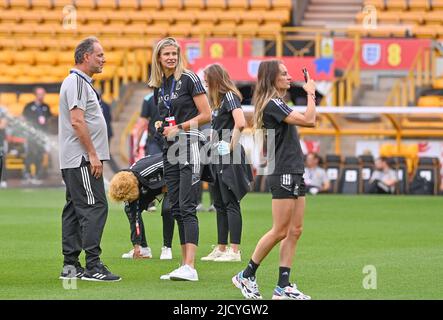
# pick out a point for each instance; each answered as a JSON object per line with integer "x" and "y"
{"x": 286, "y": 181}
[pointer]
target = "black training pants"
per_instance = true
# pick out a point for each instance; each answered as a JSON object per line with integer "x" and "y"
{"x": 84, "y": 215}
{"x": 182, "y": 179}
{"x": 229, "y": 219}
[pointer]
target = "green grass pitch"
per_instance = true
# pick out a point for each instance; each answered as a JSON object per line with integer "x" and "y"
{"x": 402, "y": 237}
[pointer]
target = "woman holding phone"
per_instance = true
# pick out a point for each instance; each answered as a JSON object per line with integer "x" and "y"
{"x": 286, "y": 182}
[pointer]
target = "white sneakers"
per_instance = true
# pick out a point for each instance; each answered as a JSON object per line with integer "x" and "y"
{"x": 215, "y": 253}
{"x": 222, "y": 256}
{"x": 166, "y": 254}
{"x": 184, "y": 273}
{"x": 144, "y": 252}
{"x": 229, "y": 256}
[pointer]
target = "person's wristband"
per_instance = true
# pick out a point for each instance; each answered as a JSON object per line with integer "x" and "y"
{"x": 312, "y": 96}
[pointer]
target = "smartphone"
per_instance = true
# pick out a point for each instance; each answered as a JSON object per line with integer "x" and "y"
{"x": 305, "y": 74}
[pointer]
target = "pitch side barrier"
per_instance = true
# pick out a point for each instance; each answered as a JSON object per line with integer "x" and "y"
{"x": 396, "y": 122}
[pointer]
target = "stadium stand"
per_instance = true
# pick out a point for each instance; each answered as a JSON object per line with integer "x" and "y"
{"x": 333, "y": 170}
{"x": 367, "y": 167}
{"x": 427, "y": 177}
{"x": 350, "y": 179}
{"x": 400, "y": 166}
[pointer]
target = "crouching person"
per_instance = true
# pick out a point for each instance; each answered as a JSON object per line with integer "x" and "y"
{"x": 137, "y": 187}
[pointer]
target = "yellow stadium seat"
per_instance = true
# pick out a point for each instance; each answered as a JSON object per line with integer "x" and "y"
{"x": 20, "y": 4}
{"x": 6, "y": 29}
{"x": 172, "y": 4}
{"x": 185, "y": 17}
{"x": 120, "y": 17}
{"x": 238, "y": 4}
{"x": 388, "y": 17}
{"x": 25, "y": 98}
{"x": 30, "y": 43}
{"x": 260, "y": 4}
{"x": 6, "y": 57}
{"x": 32, "y": 16}
{"x": 7, "y": 43}
{"x": 114, "y": 57}
{"x": 434, "y": 17}
{"x": 425, "y": 31}
{"x": 269, "y": 29}
{"x": 229, "y": 17}
{"x": 52, "y": 99}
{"x": 180, "y": 30}
{"x": 276, "y": 16}
{"x": 5, "y": 79}
{"x": 7, "y": 98}
{"x": 282, "y": 4}
{"x": 207, "y": 18}
{"x": 127, "y": 30}
{"x": 11, "y": 16}
{"x": 165, "y": 16}
{"x": 194, "y": 4}
{"x": 96, "y": 16}
{"x": 14, "y": 70}
{"x": 224, "y": 30}
{"x": 65, "y": 58}
{"x": 430, "y": 101}
{"x": 142, "y": 17}
{"x": 107, "y": 4}
{"x": 379, "y": 4}
{"x": 85, "y": 4}
{"x": 24, "y": 57}
{"x": 60, "y": 4}
{"x": 46, "y": 57}
{"x": 247, "y": 29}
{"x": 414, "y": 17}
{"x": 437, "y": 4}
{"x": 128, "y": 5}
{"x": 42, "y": 4}
{"x": 256, "y": 16}
{"x": 216, "y": 5}
{"x": 438, "y": 83}
{"x": 396, "y": 5}
{"x": 15, "y": 109}
{"x": 150, "y": 4}
{"x": 419, "y": 5}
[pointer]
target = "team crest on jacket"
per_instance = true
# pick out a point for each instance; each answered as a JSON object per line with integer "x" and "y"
{"x": 179, "y": 85}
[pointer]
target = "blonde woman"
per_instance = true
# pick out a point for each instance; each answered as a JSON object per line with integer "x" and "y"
{"x": 286, "y": 182}
{"x": 229, "y": 186}
{"x": 183, "y": 108}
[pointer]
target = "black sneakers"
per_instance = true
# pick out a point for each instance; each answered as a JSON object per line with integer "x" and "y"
{"x": 72, "y": 271}
{"x": 100, "y": 273}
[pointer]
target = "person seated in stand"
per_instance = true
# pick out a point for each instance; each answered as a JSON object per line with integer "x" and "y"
{"x": 316, "y": 179}
{"x": 384, "y": 179}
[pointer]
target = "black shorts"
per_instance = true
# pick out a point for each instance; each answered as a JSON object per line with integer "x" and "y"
{"x": 287, "y": 186}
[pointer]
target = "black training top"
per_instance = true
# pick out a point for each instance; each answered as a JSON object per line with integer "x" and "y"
{"x": 149, "y": 173}
{"x": 182, "y": 105}
{"x": 286, "y": 147}
{"x": 222, "y": 117}
{"x": 37, "y": 115}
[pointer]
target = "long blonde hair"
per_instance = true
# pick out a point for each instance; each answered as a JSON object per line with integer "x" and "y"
{"x": 266, "y": 89}
{"x": 156, "y": 67}
{"x": 219, "y": 83}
